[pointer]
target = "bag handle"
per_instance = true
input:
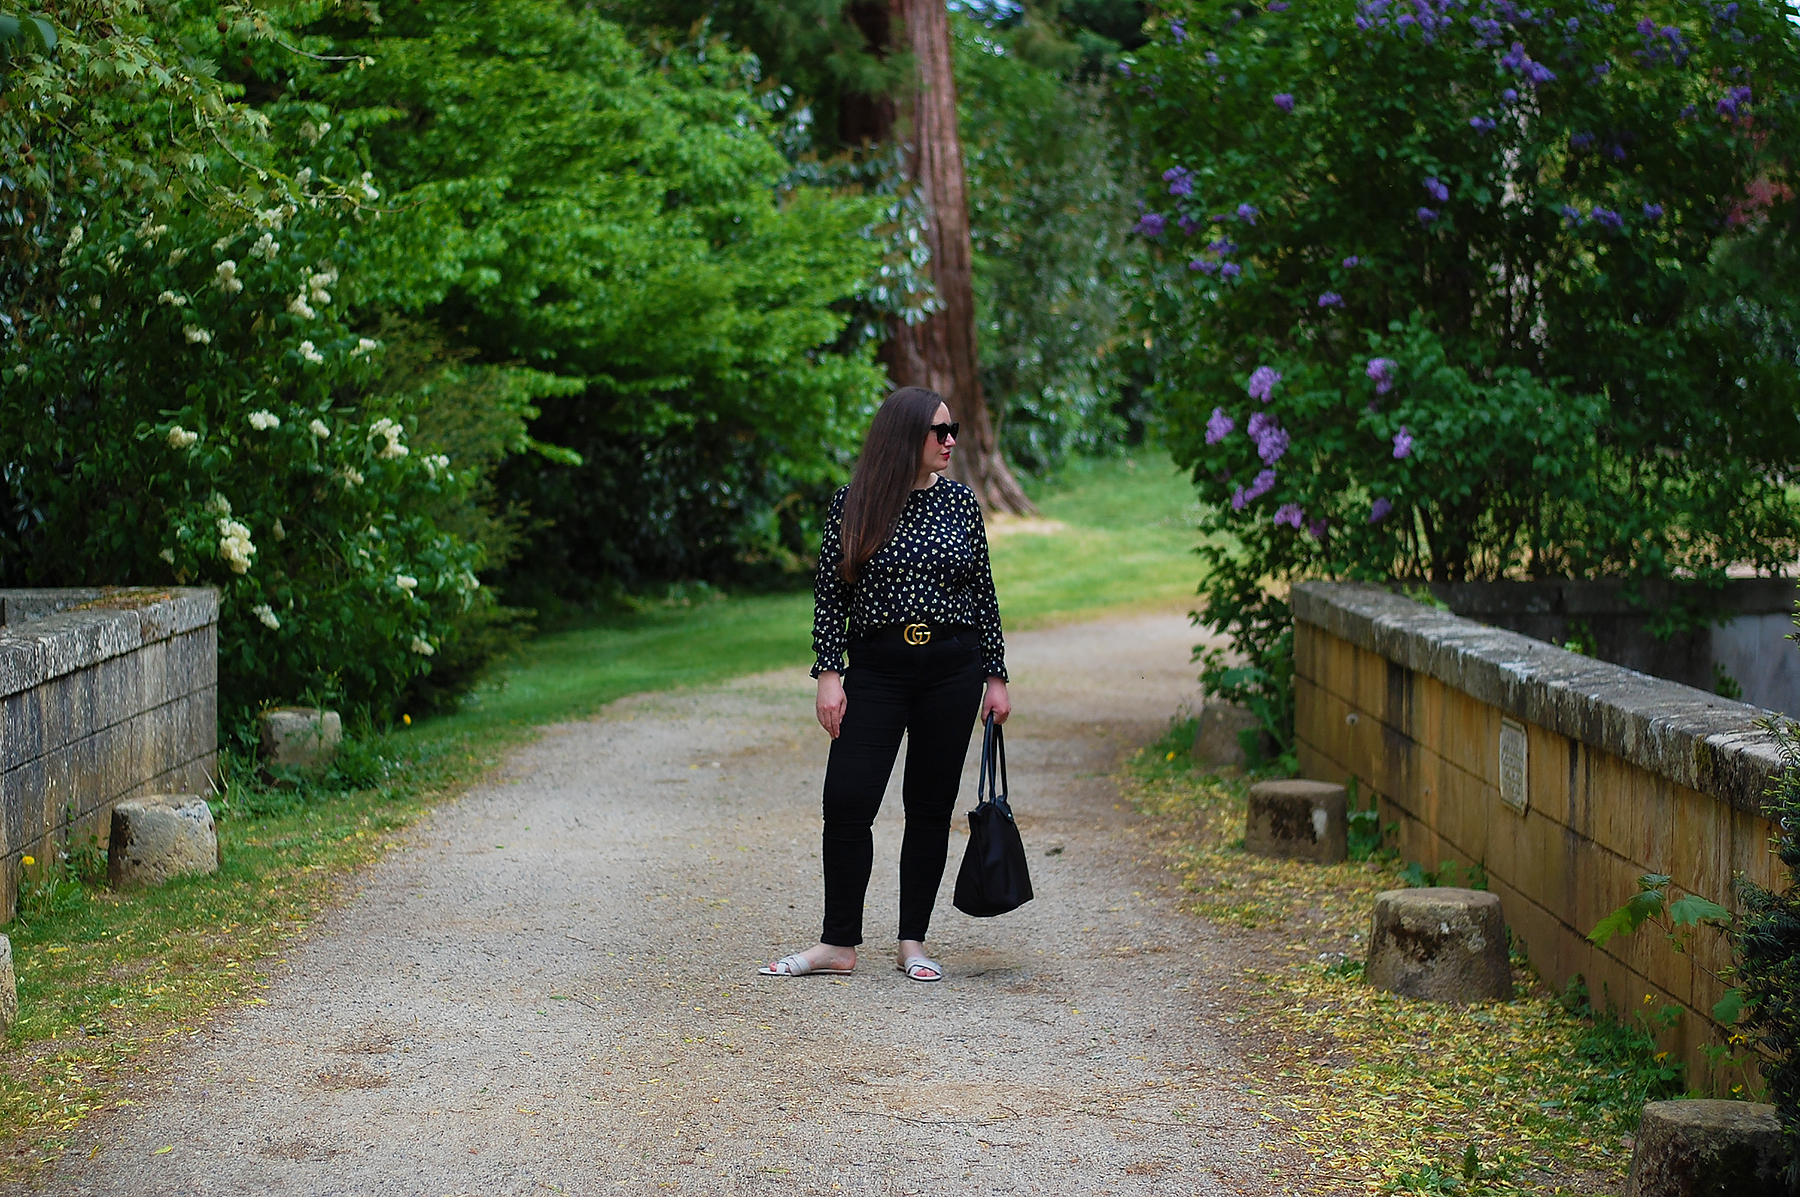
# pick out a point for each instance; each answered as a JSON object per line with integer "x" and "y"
{"x": 991, "y": 781}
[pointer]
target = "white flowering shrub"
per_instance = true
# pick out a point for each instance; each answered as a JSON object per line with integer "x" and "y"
{"x": 200, "y": 413}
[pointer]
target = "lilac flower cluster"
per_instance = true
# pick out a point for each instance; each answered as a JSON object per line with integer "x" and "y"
{"x": 1262, "y": 485}
{"x": 1653, "y": 211}
{"x": 1266, "y": 433}
{"x": 1262, "y": 383}
{"x": 1284, "y": 101}
{"x": 1403, "y": 444}
{"x": 1606, "y": 218}
{"x": 1519, "y": 62}
{"x": 1580, "y": 141}
{"x": 1247, "y": 214}
{"x": 1429, "y": 18}
{"x": 1331, "y": 299}
{"x": 1188, "y": 224}
{"x": 1481, "y": 124}
{"x": 1437, "y": 190}
{"x": 1204, "y": 266}
{"x": 1736, "y": 98}
{"x": 1379, "y": 510}
{"x": 1219, "y": 426}
{"x": 1426, "y": 215}
{"x": 1282, "y": 6}
{"x": 1289, "y": 513}
{"x": 1351, "y": 262}
{"x": 1655, "y": 50}
{"x": 1381, "y": 371}
{"x": 1179, "y": 31}
{"x": 1180, "y": 180}
{"x": 1151, "y": 224}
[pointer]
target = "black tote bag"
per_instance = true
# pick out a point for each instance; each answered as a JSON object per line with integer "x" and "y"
{"x": 993, "y": 878}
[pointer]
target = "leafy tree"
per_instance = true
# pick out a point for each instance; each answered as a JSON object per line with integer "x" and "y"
{"x": 617, "y": 220}
{"x": 1444, "y": 291}
{"x": 1049, "y": 214}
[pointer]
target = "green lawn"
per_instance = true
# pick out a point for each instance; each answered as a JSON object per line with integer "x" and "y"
{"x": 108, "y": 979}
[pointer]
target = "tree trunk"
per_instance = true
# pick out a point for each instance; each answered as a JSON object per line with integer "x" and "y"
{"x": 939, "y": 353}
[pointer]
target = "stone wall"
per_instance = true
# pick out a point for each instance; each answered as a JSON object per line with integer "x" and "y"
{"x": 103, "y": 694}
{"x": 1738, "y": 628}
{"x": 1565, "y": 777}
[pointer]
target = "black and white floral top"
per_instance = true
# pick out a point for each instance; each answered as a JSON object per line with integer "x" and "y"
{"x": 934, "y": 568}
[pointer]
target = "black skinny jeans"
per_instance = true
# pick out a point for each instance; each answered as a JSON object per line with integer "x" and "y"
{"x": 931, "y": 692}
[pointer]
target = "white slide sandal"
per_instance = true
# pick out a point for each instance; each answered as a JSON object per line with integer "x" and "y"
{"x": 921, "y": 968}
{"x": 797, "y": 966}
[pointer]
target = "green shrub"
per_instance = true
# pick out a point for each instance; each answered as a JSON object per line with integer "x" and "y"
{"x": 1457, "y": 291}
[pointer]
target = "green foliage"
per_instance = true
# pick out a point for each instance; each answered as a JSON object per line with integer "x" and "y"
{"x": 1365, "y": 836}
{"x": 229, "y": 359}
{"x": 1048, "y": 210}
{"x": 1495, "y": 291}
{"x": 1448, "y": 872}
{"x": 1767, "y": 946}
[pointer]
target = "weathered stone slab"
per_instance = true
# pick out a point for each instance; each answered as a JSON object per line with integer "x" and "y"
{"x": 158, "y": 837}
{"x": 1708, "y": 1149}
{"x": 1439, "y": 943}
{"x": 1216, "y": 739}
{"x": 1297, "y": 819}
{"x": 1697, "y": 739}
{"x": 301, "y": 737}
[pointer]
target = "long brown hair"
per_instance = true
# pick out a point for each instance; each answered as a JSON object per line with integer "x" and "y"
{"x": 885, "y": 473}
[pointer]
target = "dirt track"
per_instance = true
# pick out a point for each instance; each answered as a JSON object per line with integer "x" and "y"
{"x": 553, "y": 989}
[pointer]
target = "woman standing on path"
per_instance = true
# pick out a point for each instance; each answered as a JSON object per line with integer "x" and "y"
{"x": 904, "y": 585}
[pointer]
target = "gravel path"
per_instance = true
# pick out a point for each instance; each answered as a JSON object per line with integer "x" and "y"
{"x": 552, "y": 989}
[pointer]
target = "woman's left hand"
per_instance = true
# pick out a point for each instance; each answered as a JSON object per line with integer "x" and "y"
{"x": 996, "y": 700}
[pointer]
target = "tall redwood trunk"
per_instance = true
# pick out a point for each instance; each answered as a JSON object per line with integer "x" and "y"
{"x": 939, "y": 353}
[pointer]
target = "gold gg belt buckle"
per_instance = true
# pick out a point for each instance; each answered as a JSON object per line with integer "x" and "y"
{"x": 916, "y": 633}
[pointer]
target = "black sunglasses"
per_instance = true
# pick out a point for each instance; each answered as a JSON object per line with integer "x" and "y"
{"x": 944, "y": 432}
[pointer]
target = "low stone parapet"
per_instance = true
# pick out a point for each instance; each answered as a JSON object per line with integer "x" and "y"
{"x": 104, "y": 694}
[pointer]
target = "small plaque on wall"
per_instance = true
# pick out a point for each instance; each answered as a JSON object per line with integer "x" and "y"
{"x": 1512, "y": 765}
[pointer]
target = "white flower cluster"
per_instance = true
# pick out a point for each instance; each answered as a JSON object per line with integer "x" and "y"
{"x": 93, "y": 303}
{"x": 262, "y": 421}
{"x": 181, "y": 438}
{"x": 21, "y": 370}
{"x": 266, "y": 247}
{"x": 390, "y": 429}
{"x": 76, "y": 236}
{"x": 313, "y": 132}
{"x": 150, "y": 232}
{"x": 235, "y": 546}
{"x": 278, "y": 531}
{"x": 196, "y": 335}
{"x": 177, "y": 256}
{"x": 168, "y": 555}
{"x": 368, "y": 188}
{"x": 170, "y": 299}
{"x": 365, "y": 345}
{"x": 316, "y": 284}
{"x": 218, "y": 504}
{"x": 268, "y": 617}
{"x": 468, "y": 582}
{"x": 271, "y": 218}
{"x": 227, "y": 280}
{"x": 406, "y": 584}
{"x": 311, "y": 354}
{"x": 421, "y": 646}
{"x": 352, "y": 476}
{"x": 297, "y": 306}
{"x": 303, "y": 179}
{"x": 318, "y": 429}
{"x": 436, "y": 462}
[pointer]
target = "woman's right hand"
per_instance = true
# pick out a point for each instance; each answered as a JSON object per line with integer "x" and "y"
{"x": 831, "y": 702}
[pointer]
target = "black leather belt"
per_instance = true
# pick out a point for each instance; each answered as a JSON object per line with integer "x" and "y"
{"x": 916, "y": 634}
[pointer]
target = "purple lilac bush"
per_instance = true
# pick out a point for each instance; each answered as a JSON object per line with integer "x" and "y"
{"x": 1515, "y": 286}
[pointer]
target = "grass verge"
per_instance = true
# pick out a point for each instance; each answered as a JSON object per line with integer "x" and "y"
{"x": 1386, "y": 1094}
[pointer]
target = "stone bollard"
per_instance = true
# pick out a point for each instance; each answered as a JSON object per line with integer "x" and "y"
{"x": 1442, "y": 944}
{"x": 1707, "y": 1149}
{"x": 159, "y": 837}
{"x": 9, "y": 987}
{"x": 301, "y": 737}
{"x": 1216, "y": 739}
{"x": 1300, "y": 819}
